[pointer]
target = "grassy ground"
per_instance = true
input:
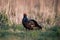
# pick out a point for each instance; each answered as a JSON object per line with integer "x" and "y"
{"x": 20, "y": 33}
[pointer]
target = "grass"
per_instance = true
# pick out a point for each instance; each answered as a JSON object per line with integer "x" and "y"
{"x": 18, "y": 32}
{"x": 50, "y": 34}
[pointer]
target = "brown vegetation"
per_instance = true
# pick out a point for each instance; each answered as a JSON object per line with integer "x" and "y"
{"x": 44, "y": 11}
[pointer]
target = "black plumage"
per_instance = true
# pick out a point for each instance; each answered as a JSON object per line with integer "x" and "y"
{"x": 30, "y": 24}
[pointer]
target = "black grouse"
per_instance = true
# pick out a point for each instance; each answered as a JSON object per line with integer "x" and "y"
{"x": 30, "y": 24}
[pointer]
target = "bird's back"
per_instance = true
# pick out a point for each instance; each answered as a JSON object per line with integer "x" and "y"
{"x": 36, "y": 24}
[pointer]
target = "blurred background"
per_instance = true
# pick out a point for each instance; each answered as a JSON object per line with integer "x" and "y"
{"x": 45, "y": 12}
{"x": 40, "y": 10}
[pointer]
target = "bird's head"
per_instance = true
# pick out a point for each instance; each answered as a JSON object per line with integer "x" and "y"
{"x": 25, "y": 15}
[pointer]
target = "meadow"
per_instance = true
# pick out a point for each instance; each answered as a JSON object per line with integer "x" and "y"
{"x": 18, "y": 32}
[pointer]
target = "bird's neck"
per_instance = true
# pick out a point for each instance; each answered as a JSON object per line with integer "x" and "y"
{"x": 25, "y": 18}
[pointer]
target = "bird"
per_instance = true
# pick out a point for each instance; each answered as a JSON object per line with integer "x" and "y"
{"x": 30, "y": 24}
